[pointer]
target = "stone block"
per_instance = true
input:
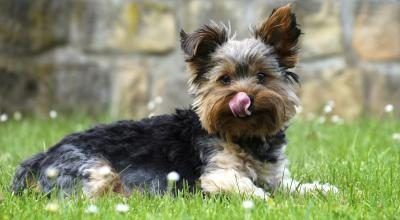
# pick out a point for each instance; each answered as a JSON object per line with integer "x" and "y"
{"x": 169, "y": 82}
{"x": 82, "y": 87}
{"x": 241, "y": 15}
{"x": 125, "y": 26}
{"x": 320, "y": 23}
{"x": 28, "y": 27}
{"x": 343, "y": 87}
{"x": 381, "y": 87}
{"x": 25, "y": 85}
{"x": 130, "y": 88}
{"x": 376, "y": 34}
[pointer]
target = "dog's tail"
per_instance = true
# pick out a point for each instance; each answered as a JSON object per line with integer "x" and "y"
{"x": 26, "y": 173}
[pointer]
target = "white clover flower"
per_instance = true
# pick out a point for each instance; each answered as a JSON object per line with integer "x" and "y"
{"x": 173, "y": 176}
{"x": 52, "y": 172}
{"x": 151, "y": 106}
{"x": 3, "y": 117}
{"x": 17, "y": 116}
{"x": 331, "y": 103}
{"x": 396, "y": 136}
{"x": 321, "y": 119}
{"x": 389, "y": 108}
{"x": 328, "y": 108}
{"x": 158, "y": 99}
{"x": 53, "y": 114}
{"x": 104, "y": 170}
{"x": 92, "y": 209}
{"x": 248, "y": 204}
{"x": 121, "y": 208}
{"x": 52, "y": 207}
{"x": 336, "y": 119}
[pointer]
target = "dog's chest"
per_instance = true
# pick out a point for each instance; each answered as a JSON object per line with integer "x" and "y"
{"x": 256, "y": 164}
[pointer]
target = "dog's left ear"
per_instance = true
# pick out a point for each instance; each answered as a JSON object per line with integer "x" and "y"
{"x": 201, "y": 43}
{"x": 281, "y": 32}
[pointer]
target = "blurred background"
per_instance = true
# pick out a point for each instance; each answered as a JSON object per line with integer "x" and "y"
{"x": 122, "y": 57}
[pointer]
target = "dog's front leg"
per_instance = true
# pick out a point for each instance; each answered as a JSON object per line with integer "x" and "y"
{"x": 277, "y": 175}
{"x": 294, "y": 186}
{"x": 230, "y": 180}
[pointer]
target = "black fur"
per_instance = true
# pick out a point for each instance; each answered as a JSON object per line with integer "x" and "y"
{"x": 142, "y": 152}
{"x": 268, "y": 150}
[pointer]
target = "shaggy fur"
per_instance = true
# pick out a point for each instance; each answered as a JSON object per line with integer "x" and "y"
{"x": 231, "y": 140}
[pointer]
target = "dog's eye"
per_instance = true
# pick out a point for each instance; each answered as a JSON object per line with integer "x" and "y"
{"x": 225, "y": 79}
{"x": 260, "y": 77}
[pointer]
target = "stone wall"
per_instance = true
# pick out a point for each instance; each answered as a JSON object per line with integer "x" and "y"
{"x": 122, "y": 56}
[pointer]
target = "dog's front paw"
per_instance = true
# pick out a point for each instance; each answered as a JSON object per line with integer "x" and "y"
{"x": 260, "y": 193}
{"x": 316, "y": 186}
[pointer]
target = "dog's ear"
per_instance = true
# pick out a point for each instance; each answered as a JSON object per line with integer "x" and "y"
{"x": 201, "y": 43}
{"x": 198, "y": 46}
{"x": 281, "y": 32}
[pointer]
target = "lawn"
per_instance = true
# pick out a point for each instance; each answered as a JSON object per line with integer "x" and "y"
{"x": 361, "y": 158}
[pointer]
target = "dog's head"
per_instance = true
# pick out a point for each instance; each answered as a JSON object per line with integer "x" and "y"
{"x": 243, "y": 88}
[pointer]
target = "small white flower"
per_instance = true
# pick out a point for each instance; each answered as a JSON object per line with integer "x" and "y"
{"x": 53, "y": 114}
{"x": 328, "y": 108}
{"x": 3, "y": 117}
{"x": 52, "y": 207}
{"x": 158, "y": 99}
{"x": 121, "y": 208}
{"x": 336, "y": 119}
{"x": 104, "y": 170}
{"x": 92, "y": 209}
{"x": 321, "y": 119}
{"x": 331, "y": 103}
{"x": 17, "y": 116}
{"x": 173, "y": 176}
{"x": 151, "y": 115}
{"x": 51, "y": 172}
{"x": 248, "y": 204}
{"x": 396, "y": 136}
{"x": 151, "y": 105}
{"x": 389, "y": 108}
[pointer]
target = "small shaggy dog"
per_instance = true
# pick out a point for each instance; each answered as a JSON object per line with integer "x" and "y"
{"x": 231, "y": 140}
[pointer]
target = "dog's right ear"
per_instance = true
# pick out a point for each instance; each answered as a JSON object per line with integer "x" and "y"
{"x": 198, "y": 46}
{"x": 202, "y": 42}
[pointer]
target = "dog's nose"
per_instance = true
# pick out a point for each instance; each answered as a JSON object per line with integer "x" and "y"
{"x": 240, "y": 105}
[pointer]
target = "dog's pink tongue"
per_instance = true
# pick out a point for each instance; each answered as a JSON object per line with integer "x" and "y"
{"x": 240, "y": 104}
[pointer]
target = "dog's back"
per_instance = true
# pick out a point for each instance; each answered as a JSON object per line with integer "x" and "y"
{"x": 118, "y": 157}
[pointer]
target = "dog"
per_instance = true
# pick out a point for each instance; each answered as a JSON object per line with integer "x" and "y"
{"x": 231, "y": 140}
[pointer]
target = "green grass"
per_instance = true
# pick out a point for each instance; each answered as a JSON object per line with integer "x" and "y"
{"x": 360, "y": 158}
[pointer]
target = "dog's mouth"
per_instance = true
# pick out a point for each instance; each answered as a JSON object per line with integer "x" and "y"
{"x": 240, "y": 105}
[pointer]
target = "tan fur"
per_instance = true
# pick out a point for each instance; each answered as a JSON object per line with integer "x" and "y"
{"x": 219, "y": 68}
{"x": 234, "y": 170}
{"x": 273, "y": 107}
{"x": 274, "y": 100}
{"x": 100, "y": 182}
